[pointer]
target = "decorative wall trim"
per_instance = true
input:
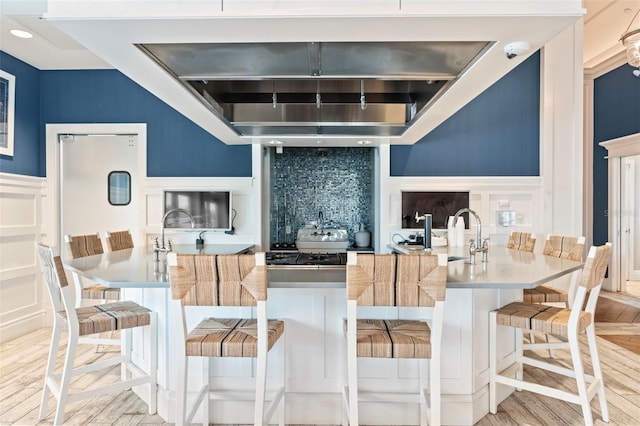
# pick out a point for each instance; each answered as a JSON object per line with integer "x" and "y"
{"x": 21, "y": 290}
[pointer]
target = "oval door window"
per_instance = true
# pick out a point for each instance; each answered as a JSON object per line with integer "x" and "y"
{"x": 119, "y": 188}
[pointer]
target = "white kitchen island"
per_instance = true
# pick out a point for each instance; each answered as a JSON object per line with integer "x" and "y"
{"x": 312, "y": 301}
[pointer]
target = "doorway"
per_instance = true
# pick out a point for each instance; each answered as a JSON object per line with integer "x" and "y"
{"x": 98, "y": 183}
{"x": 53, "y": 203}
{"x": 624, "y": 212}
{"x": 630, "y": 236}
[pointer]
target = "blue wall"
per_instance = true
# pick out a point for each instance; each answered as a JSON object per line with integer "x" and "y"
{"x": 27, "y": 136}
{"x": 496, "y": 134}
{"x": 175, "y": 145}
{"x": 616, "y": 113}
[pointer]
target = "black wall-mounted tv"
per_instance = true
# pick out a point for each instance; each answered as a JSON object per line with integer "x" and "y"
{"x": 441, "y": 205}
{"x": 211, "y": 210}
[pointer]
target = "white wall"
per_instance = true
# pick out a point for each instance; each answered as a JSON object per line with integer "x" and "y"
{"x": 21, "y": 294}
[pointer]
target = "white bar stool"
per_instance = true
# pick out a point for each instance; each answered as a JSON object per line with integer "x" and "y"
{"x": 225, "y": 280}
{"x": 86, "y": 321}
{"x": 404, "y": 281}
{"x": 564, "y": 323}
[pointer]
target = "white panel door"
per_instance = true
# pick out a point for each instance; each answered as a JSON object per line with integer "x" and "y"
{"x": 630, "y": 201}
{"x": 88, "y": 202}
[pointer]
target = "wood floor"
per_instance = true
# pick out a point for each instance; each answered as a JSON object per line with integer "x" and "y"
{"x": 618, "y": 318}
{"x": 22, "y": 364}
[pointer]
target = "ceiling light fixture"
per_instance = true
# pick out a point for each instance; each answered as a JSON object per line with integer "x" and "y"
{"x": 275, "y": 142}
{"x": 21, "y": 33}
{"x": 364, "y": 142}
{"x": 631, "y": 41}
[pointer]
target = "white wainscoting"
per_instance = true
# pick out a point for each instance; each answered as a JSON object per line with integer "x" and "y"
{"x": 21, "y": 291}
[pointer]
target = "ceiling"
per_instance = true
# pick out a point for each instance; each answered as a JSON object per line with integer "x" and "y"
{"x": 235, "y": 102}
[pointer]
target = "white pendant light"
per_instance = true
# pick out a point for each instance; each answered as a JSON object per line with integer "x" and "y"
{"x": 631, "y": 41}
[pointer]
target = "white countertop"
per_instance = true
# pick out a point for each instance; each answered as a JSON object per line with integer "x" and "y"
{"x": 135, "y": 268}
{"x": 506, "y": 268}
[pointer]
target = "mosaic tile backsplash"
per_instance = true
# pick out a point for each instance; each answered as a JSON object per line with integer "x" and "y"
{"x": 335, "y": 181}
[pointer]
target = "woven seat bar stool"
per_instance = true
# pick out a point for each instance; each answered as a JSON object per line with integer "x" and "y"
{"x": 119, "y": 240}
{"x": 86, "y": 321}
{"x": 225, "y": 280}
{"x": 563, "y": 247}
{"x": 566, "y": 324}
{"x": 571, "y": 248}
{"x": 82, "y": 246}
{"x": 524, "y": 241}
{"x": 402, "y": 281}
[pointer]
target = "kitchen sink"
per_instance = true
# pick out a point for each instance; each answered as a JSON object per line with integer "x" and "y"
{"x": 312, "y": 240}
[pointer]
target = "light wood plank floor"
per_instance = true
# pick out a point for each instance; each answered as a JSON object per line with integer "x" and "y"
{"x": 22, "y": 364}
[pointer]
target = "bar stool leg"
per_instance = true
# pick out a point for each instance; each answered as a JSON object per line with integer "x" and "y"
{"x": 51, "y": 365}
{"x": 493, "y": 403}
{"x": 181, "y": 394}
{"x": 422, "y": 392}
{"x": 434, "y": 390}
{"x": 580, "y": 379}
{"x": 206, "y": 382}
{"x": 67, "y": 372}
{"x": 283, "y": 379}
{"x": 153, "y": 363}
{"x": 261, "y": 383}
{"x": 597, "y": 371}
{"x": 519, "y": 355}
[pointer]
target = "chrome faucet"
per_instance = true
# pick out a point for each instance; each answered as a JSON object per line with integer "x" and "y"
{"x": 160, "y": 245}
{"x": 320, "y": 220}
{"x": 479, "y": 245}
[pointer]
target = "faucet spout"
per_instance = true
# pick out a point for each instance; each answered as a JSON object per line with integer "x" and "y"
{"x": 163, "y": 220}
{"x": 478, "y": 223}
{"x": 320, "y": 220}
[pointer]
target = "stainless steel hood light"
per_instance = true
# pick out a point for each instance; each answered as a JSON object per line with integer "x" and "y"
{"x": 359, "y": 89}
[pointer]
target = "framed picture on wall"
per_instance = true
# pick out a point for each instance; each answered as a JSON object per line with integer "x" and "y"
{"x": 7, "y": 101}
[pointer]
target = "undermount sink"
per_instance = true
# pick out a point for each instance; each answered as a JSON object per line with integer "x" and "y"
{"x": 311, "y": 240}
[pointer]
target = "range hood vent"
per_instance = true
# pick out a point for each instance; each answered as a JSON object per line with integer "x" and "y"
{"x": 317, "y": 88}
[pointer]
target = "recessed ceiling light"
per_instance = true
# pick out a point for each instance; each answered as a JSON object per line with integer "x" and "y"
{"x": 21, "y": 33}
{"x": 275, "y": 142}
{"x": 364, "y": 142}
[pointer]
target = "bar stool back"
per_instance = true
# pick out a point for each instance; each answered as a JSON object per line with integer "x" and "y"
{"x": 82, "y": 246}
{"x": 564, "y": 323}
{"x": 225, "y": 280}
{"x": 524, "y": 241}
{"x": 86, "y": 321}
{"x": 564, "y": 247}
{"x": 403, "y": 281}
{"x": 119, "y": 240}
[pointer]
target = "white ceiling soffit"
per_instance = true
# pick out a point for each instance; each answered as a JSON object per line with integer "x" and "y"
{"x": 111, "y": 31}
{"x": 50, "y": 48}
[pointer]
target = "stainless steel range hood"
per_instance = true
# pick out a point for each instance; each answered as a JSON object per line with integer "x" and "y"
{"x": 317, "y": 88}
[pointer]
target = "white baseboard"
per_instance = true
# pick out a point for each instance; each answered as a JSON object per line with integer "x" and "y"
{"x": 21, "y": 326}
{"x": 326, "y": 409}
